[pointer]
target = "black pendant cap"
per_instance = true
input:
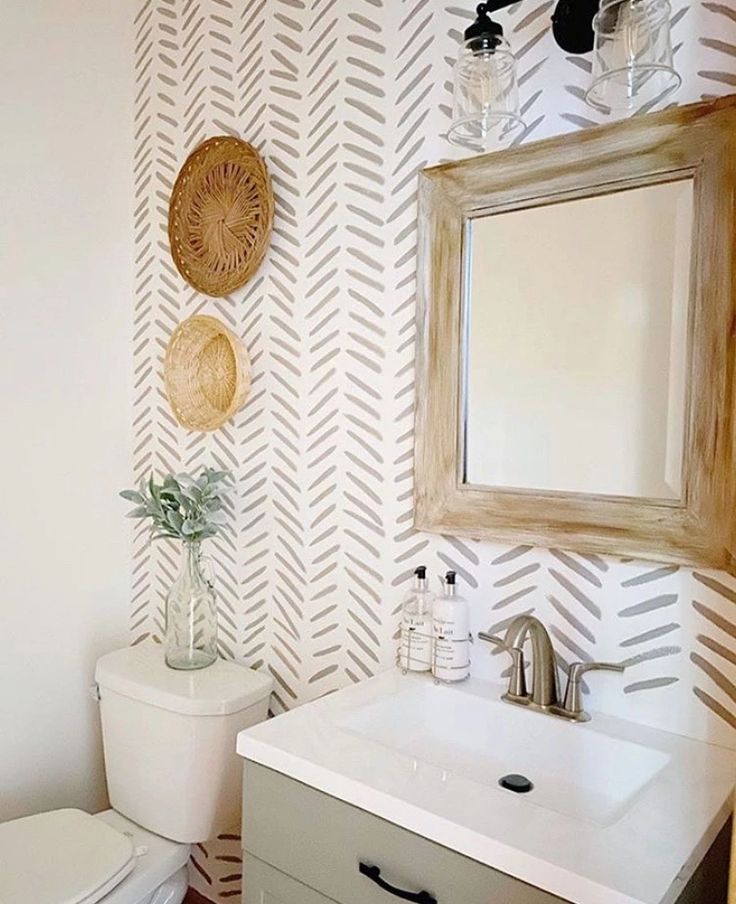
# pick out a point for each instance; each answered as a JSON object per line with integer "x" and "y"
{"x": 484, "y": 33}
{"x": 572, "y": 25}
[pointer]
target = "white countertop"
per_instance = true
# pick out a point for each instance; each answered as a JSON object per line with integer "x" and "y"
{"x": 645, "y": 857}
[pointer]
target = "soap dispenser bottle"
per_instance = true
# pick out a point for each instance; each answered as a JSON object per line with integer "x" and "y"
{"x": 451, "y": 629}
{"x": 416, "y": 626}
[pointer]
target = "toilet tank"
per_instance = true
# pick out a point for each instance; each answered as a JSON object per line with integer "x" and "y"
{"x": 169, "y": 740}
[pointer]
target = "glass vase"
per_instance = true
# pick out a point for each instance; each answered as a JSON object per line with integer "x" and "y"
{"x": 191, "y": 615}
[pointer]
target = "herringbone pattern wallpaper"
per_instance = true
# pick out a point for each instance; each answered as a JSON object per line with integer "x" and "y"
{"x": 347, "y": 101}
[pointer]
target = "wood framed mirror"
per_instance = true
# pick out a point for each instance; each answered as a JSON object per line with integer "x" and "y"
{"x": 576, "y": 321}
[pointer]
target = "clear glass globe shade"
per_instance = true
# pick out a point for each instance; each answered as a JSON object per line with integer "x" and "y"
{"x": 632, "y": 57}
{"x": 485, "y": 97}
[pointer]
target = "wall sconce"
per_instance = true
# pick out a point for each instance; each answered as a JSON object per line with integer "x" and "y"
{"x": 485, "y": 92}
{"x": 632, "y": 64}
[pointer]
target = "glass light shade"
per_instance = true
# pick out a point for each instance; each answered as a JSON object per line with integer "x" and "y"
{"x": 632, "y": 62}
{"x": 486, "y": 97}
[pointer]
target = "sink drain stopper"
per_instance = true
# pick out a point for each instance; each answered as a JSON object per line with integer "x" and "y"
{"x": 519, "y": 784}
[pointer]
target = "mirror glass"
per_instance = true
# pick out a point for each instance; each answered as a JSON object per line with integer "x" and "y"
{"x": 575, "y": 350}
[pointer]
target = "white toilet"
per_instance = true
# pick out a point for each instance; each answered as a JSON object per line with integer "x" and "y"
{"x": 173, "y": 778}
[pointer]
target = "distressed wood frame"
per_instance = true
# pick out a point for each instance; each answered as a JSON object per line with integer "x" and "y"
{"x": 698, "y": 142}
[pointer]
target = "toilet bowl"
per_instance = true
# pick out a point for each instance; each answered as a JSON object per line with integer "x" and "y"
{"x": 173, "y": 780}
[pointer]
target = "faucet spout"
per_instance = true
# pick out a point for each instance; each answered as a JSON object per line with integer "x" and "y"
{"x": 544, "y": 668}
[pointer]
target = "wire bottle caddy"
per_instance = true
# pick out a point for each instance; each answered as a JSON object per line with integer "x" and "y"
{"x": 411, "y": 655}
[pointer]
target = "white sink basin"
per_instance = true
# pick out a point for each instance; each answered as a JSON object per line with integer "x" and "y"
{"x": 619, "y": 814}
{"x": 575, "y": 770}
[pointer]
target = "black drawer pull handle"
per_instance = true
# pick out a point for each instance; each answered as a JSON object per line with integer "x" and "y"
{"x": 374, "y": 874}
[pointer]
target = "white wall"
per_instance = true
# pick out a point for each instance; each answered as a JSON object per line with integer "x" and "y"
{"x": 66, "y": 93}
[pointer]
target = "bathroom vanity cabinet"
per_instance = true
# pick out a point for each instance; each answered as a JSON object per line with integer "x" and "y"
{"x": 304, "y": 847}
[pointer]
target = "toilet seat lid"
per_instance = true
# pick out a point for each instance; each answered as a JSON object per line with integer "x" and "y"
{"x": 61, "y": 857}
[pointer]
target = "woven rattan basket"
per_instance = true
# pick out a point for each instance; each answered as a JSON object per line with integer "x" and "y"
{"x": 207, "y": 373}
{"x": 221, "y": 215}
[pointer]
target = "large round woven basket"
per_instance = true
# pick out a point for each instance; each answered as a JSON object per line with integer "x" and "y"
{"x": 221, "y": 215}
{"x": 207, "y": 373}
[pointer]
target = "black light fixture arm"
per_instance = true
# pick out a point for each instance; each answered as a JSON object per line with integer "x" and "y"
{"x": 494, "y": 6}
{"x": 572, "y": 25}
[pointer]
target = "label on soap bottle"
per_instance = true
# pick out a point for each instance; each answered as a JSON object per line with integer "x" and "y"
{"x": 416, "y": 643}
{"x": 451, "y": 651}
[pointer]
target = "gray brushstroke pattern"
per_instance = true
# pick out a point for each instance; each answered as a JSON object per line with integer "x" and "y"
{"x": 348, "y": 101}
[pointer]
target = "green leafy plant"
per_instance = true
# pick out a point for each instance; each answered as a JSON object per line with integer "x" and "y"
{"x": 183, "y": 507}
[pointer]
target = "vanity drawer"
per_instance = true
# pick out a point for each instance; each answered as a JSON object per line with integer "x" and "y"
{"x": 266, "y": 885}
{"x": 321, "y": 841}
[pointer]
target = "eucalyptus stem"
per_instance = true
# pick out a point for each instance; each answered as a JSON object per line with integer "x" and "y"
{"x": 184, "y": 507}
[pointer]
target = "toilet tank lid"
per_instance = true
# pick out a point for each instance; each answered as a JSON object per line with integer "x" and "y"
{"x": 141, "y": 673}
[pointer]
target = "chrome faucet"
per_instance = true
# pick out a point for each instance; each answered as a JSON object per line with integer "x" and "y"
{"x": 544, "y": 695}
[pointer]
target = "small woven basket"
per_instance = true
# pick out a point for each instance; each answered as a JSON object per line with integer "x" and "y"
{"x": 221, "y": 215}
{"x": 206, "y": 372}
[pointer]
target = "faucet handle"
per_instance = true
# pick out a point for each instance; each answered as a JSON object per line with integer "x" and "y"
{"x": 580, "y": 668}
{"x": 517, "y": 680}
{"x": 493, "y": 639}
{"x": 572, "y": 706}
